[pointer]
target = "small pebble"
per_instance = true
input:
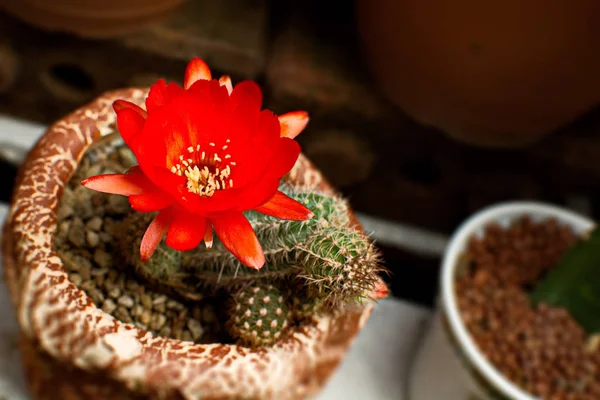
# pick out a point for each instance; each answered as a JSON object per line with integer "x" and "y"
{"x": 195, "y": 329}
{"x": 88, "y": 285}
{"x": 123, "y": 315}
{"x": 82, "y": 205}
{"x": 187, "y": 336}
{"x": 158, "y": 321}
{"x": 166, "y": 332}
{"x": 106, "y": 237}
{"x": 77, "y": 233}
{"x": 160, "y": 299}
{"x": 117, "y": 205}
{"x": 137, "y": 310}
{"x": 126, "y": 301}
{"x": 109, "y": 306}
{"x": 146, "y": 301}
{"x": 65, "y": 211}
{"x": 175, "y": 305}
{"x": 99, "y": 279}
{"x": 76, "y": 279}
{"x": 146, "y": 317}
{"x": 103, "y": 259}
{"x": 94, "y": 224}
{"x": 96, "y": 295}
{"x": 92, "y": 238}
{"x": 63, "y": 232}
{"x": 99, "y": 271}
{"x": 114, "y": 292}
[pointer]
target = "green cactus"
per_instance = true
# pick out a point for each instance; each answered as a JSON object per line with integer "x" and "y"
{"x": 326, "y": 262}
{"x": 259, "y": 314}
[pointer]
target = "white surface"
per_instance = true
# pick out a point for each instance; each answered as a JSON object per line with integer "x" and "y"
{"x": 436, "y": 361}
{"x": 375, "y": 368}
{"x": 503, "y": 214}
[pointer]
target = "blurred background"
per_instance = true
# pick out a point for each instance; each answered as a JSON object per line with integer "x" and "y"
{"x": 421, "y": 113}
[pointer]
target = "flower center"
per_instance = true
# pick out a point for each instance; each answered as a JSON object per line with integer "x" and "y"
{"x": 206, "y": 171}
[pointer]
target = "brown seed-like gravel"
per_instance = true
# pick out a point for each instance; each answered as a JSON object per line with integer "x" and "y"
{"x": 541, "y": 349}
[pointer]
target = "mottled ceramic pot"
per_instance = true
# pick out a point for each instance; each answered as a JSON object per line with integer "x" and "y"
{"x": 74, "y": 350}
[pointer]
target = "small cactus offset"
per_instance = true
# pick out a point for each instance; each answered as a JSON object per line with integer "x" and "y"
{"x": 259, "y": 314}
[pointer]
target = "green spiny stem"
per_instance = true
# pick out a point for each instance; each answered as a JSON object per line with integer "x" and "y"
{"x": 190, "y": 271}
{"x": 259, "y": 314}
{"x": 278, "y": 239}
{"x": 337, "y": 262}
{"x": 340, "y": 264}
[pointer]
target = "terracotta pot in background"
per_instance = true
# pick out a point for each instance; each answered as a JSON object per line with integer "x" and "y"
{"x": 492, "y": 73}
{"x": 74, "y": 350}
{"x": 92, "y": 18}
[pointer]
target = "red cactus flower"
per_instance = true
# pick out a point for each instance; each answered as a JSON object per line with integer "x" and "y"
{"x": 206, "y": 154}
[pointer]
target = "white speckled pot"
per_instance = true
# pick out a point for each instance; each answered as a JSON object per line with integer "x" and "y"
{"x": 74, "y": 350}
{"x": 448, "y": 357}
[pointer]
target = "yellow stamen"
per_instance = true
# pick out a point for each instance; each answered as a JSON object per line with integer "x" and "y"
{"x": 207, "y": 175}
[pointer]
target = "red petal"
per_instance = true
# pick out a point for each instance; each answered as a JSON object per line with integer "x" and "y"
{"x": 208, "y": 235}
{"x": 119, "y": 105}
{"x": 284, "y": 207}
{"x": 186, "y": 231}
{"x": 225, "y": 80}
{"x": 150, "y": 202}
{"x": 246, "y": 92}
{"x": 286, "y": 155}
{"x": 162, "y": 94}
{"x": 195, "y": 71}
{"x": 123, "y": 184}
{"x": 293, "y": 123}
{"x": 380, "y": 291}
{"x": 130, "y": 123}
{"x": 256, "y": 194}
{"x": 237, "y": 236}
{"x": 155, "y": 232}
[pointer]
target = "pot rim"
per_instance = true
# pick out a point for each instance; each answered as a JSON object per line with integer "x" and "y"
{"x": 503, "y": 213}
